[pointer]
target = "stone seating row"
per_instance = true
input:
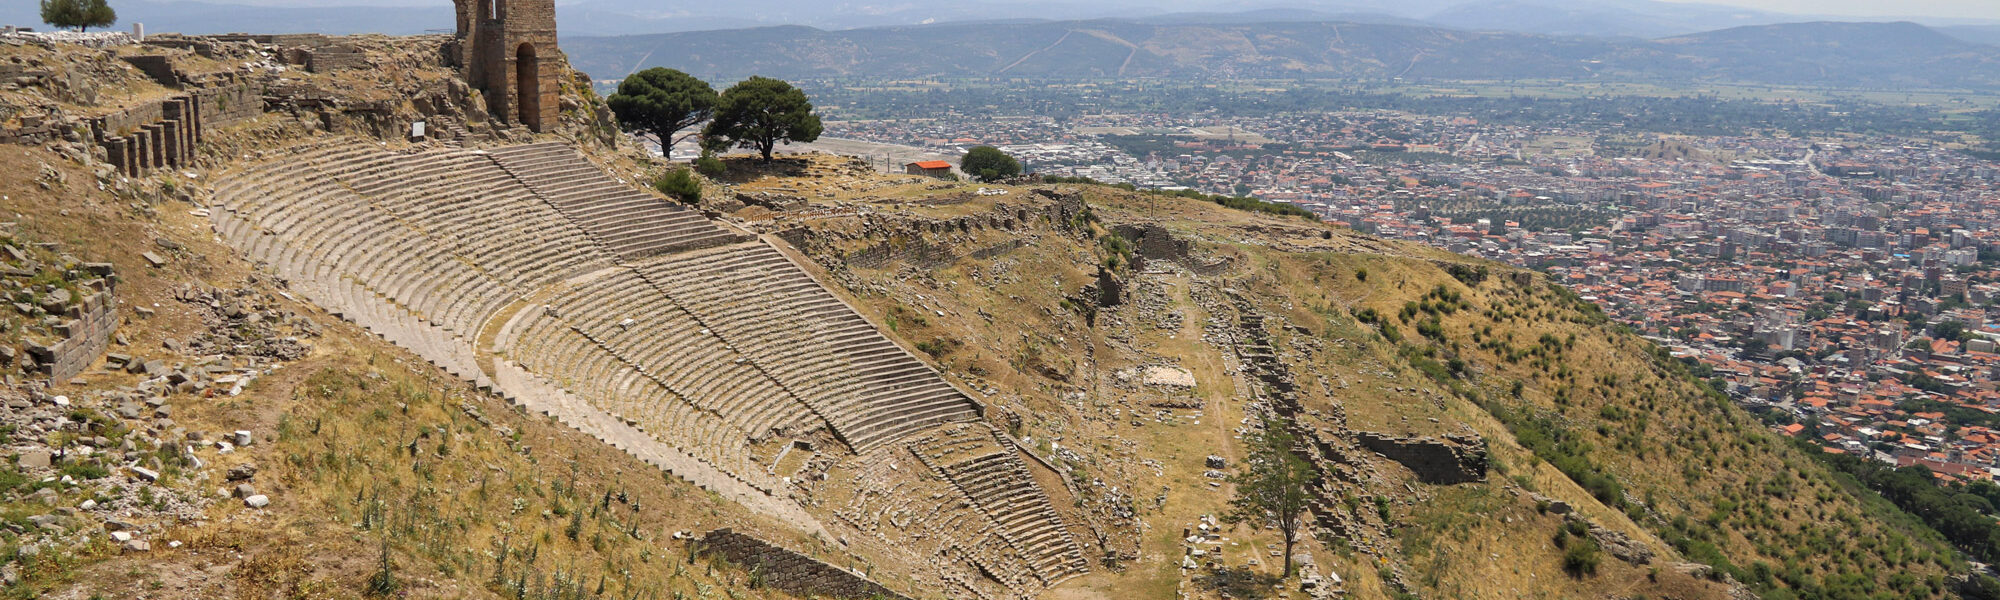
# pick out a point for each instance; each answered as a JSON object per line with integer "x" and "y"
{"x": 444, "y": 235}
{"x": 355, "y": 301}
{"x": 552, "y": 349}
{"x": 478, "y": 211}
{"x": 933, "y": 509}
{"x": 623, "y": 311}
{"x": 535, "y": 393}
{"x": 1000, "y": 486}
{"x": 422, "y": 248}
{"x": 632, "y": 223}
{"x": 323, "y": 231}
{"x": 449, "y": 235}
{"x": 867, "y": 387}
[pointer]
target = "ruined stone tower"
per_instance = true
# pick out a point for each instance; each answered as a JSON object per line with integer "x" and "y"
{"x": 508, "y": 51}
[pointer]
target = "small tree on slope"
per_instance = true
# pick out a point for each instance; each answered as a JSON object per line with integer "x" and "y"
{"x": 1272, "y": 487}
{"x": 989, "y": 164}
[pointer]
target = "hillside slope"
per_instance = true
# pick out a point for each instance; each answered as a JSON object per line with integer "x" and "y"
{"x": 1359, "y": 340}
{"x": 1480, "y": 432}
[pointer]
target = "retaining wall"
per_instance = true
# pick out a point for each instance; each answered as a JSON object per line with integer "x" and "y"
{"x": 791, "y": 571}
{"x": 1456, "y": 459}
{"x": 87, "y": 334}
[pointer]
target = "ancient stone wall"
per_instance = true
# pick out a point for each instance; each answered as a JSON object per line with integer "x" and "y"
{"x": 130, "y": 119}
{"x": 507, "y": 49}
{"x": 792, "y": 571}
{"x": 329, "y": 60}
{"x": 87, "y": 333}
{"x": 1153, "y": 242}
{"x": 157, "y": 66}
{"x": 34, "y": 129}
{"x": 1455, "y": 459}
{"x": 150, "y": 136}
{"x": 230, "y": 104}
{"x": 165, "y": 134}
{"x": 922, "y": 241}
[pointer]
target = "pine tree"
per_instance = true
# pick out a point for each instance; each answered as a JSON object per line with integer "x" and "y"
{"x": 758, "y": 113}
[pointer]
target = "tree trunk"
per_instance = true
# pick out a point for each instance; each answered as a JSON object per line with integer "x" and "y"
{"x": 1289, "y": 539}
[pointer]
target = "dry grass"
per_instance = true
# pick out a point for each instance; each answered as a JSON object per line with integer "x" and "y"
{"x": 1443, "y": 556}
{"x": 369, "y": 448}
{"x": 365, "y": 448}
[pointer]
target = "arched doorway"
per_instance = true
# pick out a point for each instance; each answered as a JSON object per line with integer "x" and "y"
{"x": 527, "y": 88}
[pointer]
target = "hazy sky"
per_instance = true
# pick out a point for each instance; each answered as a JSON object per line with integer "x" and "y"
{"x": 1968, "y": 9}
{"x": 1949, "y": 9}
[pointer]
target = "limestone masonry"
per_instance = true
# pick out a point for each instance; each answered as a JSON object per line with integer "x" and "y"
{"x": 697, "y": 347}
{"x": 507, "y": 49}
{"x": 87, "y": 327}
{"x": 791, "y": 571}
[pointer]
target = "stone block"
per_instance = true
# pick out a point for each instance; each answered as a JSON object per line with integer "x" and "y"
{"x": 792, "y": 571}
{"x": 34, "y": 459}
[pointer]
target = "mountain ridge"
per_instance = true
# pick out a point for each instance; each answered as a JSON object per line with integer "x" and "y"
{"x": 1603, "y": 18}
{"x": 1839, "y": 54}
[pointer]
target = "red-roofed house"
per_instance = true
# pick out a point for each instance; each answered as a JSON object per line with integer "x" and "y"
{"x": 929, "y": 168}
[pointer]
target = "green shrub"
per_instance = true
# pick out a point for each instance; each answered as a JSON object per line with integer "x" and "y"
{"x": 940, "y": 346}
{"x": 85, "y": 471}
{"x": 681, "y": 185}
{"x": 709, "y": 165}
{"x": 1581, "y": 557}
{"x": 12, "y": 479}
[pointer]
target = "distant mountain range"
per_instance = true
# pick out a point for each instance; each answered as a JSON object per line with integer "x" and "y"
{"x": 1600, "y": 18}
{"x": 1978, "y": 34}
{"x": 1872, "y": 55}
{"x": 1628, "y": 40}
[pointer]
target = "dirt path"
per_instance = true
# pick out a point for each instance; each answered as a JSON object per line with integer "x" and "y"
{"x": 1024, "y": 58}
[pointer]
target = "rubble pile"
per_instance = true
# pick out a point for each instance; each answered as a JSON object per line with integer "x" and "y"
{"x": 115, "y": 463}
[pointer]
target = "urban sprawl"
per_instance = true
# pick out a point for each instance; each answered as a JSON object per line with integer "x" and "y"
{"x": 1845, "y": 287}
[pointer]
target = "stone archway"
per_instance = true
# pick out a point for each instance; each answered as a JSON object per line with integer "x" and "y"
{"x": 528, "y": 87}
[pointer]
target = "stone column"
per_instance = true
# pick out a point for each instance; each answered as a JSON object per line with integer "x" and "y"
{"x": 118, "y": 152}
{"x": 170, "y": 142}
{"x": 157, "y": 148}
{"x": 142, "y": 145}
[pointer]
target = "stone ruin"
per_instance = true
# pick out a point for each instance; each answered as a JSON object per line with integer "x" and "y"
{"x": 898, "y": 238}
{"x": 165, "y": 134}
{"x": 86, "y": 329}
{"x": 789, "y": 570}
{"x": 1455, "y": 459}
{"x": 316, "y": 53}
{"x": 1153, "y": 242}
{"x": 696, "y": 347}
{"x": 507, "y": 49}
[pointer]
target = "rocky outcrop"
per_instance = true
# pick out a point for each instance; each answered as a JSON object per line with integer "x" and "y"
{"x": 1618, "y": 545}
